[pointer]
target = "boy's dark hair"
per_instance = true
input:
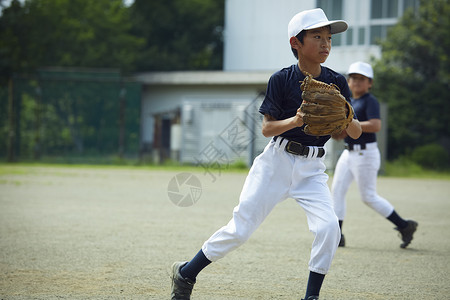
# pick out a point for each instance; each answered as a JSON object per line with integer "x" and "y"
{"x": 300, "y": 37}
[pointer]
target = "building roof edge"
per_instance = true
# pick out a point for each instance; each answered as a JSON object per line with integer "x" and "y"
{"x": 203, "y": 78}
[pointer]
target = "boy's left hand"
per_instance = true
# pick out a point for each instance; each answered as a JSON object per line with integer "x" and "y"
{"x": 298, "y": 118}
{"x": 340, "y": 135}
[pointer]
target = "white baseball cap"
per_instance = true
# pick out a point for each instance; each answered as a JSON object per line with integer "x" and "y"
{"x": 362, "y": 68}
{"x": 311, "y": 19}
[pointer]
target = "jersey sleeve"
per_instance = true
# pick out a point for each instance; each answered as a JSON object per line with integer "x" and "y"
{"x": 272, "y": 102}
{"x": 373, "y": 108}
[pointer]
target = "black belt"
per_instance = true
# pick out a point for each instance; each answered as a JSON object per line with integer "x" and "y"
{"x": 299, "y": 149}
{"x": 352, "y": 146}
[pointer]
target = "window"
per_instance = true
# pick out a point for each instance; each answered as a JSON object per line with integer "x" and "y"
{"x": 349, "y": 36}
{"x": 384, "y": 9}
{"x": 385, "y": 14}
{"x": 376, "y": 33}
{"x": 376, "y": 11}
{"x": 332, "y": 8}
{"x": 361, "y": 36}
{"x": 408, "y": 4}
{"x": 336, "y": 40}
{"x": 392, "y": 9}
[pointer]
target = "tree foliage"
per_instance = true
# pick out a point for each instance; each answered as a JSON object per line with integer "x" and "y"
{"x": 148, "y": 36}
{"x": 413, "y": 77}
{"x": 179, "y": 34}
{"x": 66, "y": 33}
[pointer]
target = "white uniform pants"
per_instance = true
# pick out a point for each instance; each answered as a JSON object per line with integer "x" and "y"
{"x": 361, "y": 166}
{"x": 275, "y": 176}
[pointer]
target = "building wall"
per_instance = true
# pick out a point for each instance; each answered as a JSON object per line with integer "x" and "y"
{"x": 222, "y": 118}
{"x": 256, "y": 36}
{"x": 256, "y": 31}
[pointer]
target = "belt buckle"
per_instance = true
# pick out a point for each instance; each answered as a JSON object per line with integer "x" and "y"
{"x": 302, "y": 151}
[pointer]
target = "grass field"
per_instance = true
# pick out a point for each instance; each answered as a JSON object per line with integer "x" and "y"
{"x": 87, "y": 232}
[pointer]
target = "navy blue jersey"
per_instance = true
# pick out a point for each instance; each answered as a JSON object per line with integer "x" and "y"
{"x": 366, "y": 108}
{"x": 284, "y": 97}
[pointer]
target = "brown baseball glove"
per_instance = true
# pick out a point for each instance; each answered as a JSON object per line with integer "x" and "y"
{"x": 325, "y": 110}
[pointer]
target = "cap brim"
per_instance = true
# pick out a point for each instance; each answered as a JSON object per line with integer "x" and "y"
{"x": 335, "y": 26}
{"x": 361, "y": 73}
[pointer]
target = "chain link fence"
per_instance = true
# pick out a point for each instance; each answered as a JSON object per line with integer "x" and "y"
{"x": 70, "y": 113}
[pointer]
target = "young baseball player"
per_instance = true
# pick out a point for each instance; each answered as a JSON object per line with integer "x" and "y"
{"x": 360, "y": 161}
{"x": 291, "y": 165}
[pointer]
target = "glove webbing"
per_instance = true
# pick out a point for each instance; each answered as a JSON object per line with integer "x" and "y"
{"x": 310, "y": 83}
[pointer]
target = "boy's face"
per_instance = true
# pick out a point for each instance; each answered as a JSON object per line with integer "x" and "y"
{"x": 316, "y": 45}
{"x": 359, "y": 84}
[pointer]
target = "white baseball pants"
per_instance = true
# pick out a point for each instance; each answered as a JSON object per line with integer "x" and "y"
{"x": 275, "y": 176}
{"x": 361, "y": 166}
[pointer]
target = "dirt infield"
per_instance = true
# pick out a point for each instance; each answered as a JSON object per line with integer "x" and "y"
{"x": 112, "y": 233}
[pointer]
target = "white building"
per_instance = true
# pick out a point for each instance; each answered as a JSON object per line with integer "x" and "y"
{"x": 256, "y": 31}
{"x": 211, "y": 117}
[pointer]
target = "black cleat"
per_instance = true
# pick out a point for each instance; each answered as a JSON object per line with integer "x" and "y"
{"x": 406, "y": 234}
{"x": 342, "y": 241}
{"x": 181, "y": 287}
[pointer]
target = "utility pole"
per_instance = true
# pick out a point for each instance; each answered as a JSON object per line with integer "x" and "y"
{"x": 122, "y": 106}
{"x": 37, "y": 129}
{"x": 11, "y": 125}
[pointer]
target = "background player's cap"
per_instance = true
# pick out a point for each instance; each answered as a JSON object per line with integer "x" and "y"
{"x": 314, "y": 18}
{"x": 362, "y": 68}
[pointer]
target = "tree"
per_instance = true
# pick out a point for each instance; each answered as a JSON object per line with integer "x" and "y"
{"x": 179, "y": 34}
{"x": 413, "y": 77}
{"x": 66, "y": 33}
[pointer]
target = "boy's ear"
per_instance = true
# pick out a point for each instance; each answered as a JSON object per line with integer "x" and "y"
{"x": 295, "y": 43}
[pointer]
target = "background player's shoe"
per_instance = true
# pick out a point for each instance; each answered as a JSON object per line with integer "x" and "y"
{"x": 312, "y": 298}
{"x": 342, "y": 241}
{"x": 181, "y": 287}
{"x": 407, "y": 233}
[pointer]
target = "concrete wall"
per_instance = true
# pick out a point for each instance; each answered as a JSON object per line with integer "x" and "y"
{"x": 210, "y": 116}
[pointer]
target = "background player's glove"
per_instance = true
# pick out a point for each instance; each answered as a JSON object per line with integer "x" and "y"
{"x": 325, "y": 110}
